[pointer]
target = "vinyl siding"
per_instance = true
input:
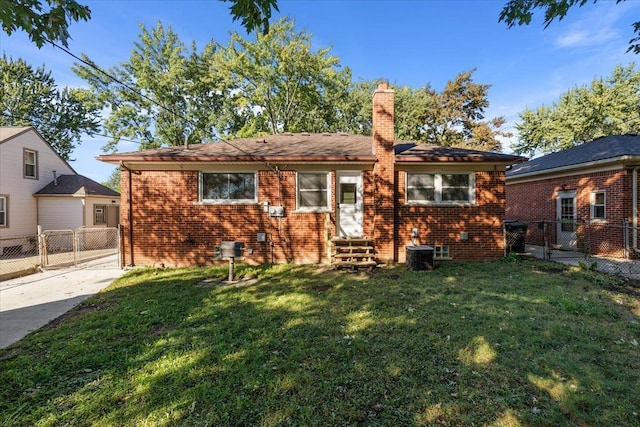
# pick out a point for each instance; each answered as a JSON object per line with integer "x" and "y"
{"x": 60, "y": 213}
{"x": 22, "y": 212}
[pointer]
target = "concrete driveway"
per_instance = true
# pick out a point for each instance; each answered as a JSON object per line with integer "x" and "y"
{"x": 30, "y": 302}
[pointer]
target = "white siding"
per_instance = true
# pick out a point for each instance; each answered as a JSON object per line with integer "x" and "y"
{"x": 60, "y": 213}
{"x": 22, "y": 214}
{"x": 91, "y": 202}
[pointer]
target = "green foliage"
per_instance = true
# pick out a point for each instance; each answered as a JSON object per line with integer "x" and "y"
{"x": 114, "y": 180}
{"x": 467, "y": 344}
{"x": 168, "y": 96}
{"x": 277, "y": 83}
{"x": 607, "y": 107}
{"x": 453, "y": 117}
{"x": 30, "y": 97}
{"x": 49, "y": 22}
{"x": 43, "y": 21}
{"x": 520, "y": 12}
{"x": 254, "y": 14}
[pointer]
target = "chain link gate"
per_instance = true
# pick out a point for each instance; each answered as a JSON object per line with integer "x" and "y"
{"x": 606, "y": 247}
{"x": 61, "y": 248}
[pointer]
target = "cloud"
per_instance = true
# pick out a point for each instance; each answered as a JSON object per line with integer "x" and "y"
{"x": 594, "y": 26}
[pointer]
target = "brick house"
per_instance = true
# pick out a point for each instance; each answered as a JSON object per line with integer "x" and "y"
{"x": 586, "y": 193}
{"x": 290, "y": 197}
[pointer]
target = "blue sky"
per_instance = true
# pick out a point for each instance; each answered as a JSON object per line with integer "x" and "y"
{"x": 408, "y": 42}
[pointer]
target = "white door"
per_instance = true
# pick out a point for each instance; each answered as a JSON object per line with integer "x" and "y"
{"x": 350, "y": 204}
{"x": 566, "y": 208}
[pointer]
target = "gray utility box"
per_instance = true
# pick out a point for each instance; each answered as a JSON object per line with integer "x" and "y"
{"x": 420, "y": 257}
{"x": 231, "y": 249}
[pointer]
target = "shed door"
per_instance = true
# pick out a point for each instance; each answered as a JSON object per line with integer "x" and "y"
{"x": 113, "y": 216}
{"x": 350, "y": 204}
{"x": 566, "y": 234}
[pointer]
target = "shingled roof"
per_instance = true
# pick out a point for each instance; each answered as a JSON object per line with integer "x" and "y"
{"x": 76, "y": 184}
{"x": 305, "y": 147}
{"x": 612, "y": 148}
{"x": 8, "y": 132}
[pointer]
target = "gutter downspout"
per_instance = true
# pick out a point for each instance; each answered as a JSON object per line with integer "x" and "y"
{"x": 634, "y": 208}
{"x": 130, "y": 213}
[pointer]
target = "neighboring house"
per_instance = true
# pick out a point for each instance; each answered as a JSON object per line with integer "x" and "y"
{"x": 38, "y": 187}
{"x": 585, "y": 192}
{"x": 73, "y": 201}
{"x": 288, "y": 197}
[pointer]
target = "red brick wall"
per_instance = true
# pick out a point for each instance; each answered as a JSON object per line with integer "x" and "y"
{"x": 442, "y": 225}
{"x": 170, "y": 228}
{"x": 382, "y": 197}
{"x": 536, "y": 201}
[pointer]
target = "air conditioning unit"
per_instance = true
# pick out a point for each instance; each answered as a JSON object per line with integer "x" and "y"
{"x": 276, "y": 211}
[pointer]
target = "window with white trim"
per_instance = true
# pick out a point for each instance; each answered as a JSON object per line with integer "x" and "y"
{"x": 228, "y": 187}
{"x": 99, "y": 214}
{"x": 440, "y": 188}
{"x": 597, "y": 204}
{"x": 4, "y": 208}
{"x": 313, "y": 190}
{"x": 30, "y": 164}
{"x": 441, "y": 251}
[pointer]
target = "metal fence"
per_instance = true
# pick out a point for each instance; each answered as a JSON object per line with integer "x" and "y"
{"x": 18, "y": 255}
{"x": 55, "y": 249}
{"x": 610, "y": 248}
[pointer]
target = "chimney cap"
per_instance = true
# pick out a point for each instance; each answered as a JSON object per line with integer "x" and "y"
{"x": 382, "y": 84}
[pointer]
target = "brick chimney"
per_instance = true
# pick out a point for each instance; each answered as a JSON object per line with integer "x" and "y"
{"x": 384, "y": 173}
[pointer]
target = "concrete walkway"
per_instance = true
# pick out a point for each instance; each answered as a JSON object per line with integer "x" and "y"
{"x": 617, "y": 266}
{"x": 30, "y": 302}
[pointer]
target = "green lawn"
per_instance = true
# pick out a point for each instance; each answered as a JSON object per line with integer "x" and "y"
{"x": 523, "y": 343}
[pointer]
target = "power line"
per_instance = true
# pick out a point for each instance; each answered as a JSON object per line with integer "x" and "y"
{"x": 40, "y": 122}
{"x": 128, "y": 87}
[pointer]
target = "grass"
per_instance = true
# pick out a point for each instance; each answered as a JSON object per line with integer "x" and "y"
{"x": 487, "y": 344}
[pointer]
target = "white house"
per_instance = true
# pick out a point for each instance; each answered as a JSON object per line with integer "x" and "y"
{"x": 38, "y": 187}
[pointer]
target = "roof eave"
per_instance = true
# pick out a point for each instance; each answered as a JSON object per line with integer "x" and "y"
{"x": 575, "y": 167}
{"x": 237, "y": 159}
{"x": 470, "y": 159}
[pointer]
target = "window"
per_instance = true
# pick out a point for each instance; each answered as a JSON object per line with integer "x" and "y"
{"x": 99, "y": 214}
{"x": 441, "y": 251}
{"x": 440, "y": 188}
{"x": 30, "y": 164}
{"x": 228, "y": 187}
{"x": 597, "y": 205}
{"x": 4, "y": 205}
{"x": 313, "y": 191}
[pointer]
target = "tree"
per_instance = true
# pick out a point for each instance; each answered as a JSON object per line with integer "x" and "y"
{"x": 163, "y": 96}
{"x": 30, "y": 97}
{"x": 453, "y": 117}
{"x": 276, "y": 83}
{"x": 49, "y": 22}
{"x": 607, "y": 107}
{"x": 114, "y": 180}
{"x": 42, "y": 22}
{"x": 254, "y": 14}
{"x": 519, "y": 12}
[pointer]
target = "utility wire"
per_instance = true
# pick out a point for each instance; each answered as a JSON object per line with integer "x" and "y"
{"x": 137, "y": 92}
{"x": 92, "y": 134}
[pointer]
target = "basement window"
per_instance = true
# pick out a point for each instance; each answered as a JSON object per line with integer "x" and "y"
{"x": 441, "y": 188}
{"x": 228, "y": 187}
{"x": 597, "y": 205}
{"x": 313, "y": 191}
{"x": 441, "y": 252}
